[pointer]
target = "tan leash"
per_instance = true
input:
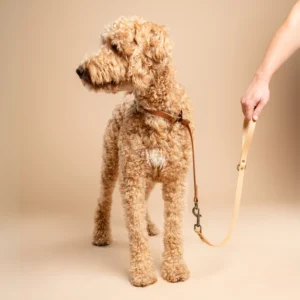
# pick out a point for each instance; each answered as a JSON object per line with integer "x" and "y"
{"x": 248, "y": 132}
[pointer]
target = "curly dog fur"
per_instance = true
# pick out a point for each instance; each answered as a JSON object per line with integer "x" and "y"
{"x": 139, "y": 148}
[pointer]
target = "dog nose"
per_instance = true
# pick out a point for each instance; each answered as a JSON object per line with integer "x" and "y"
{"x": 80, "y": 71}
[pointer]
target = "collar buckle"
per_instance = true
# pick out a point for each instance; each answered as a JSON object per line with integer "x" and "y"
{"x": 180, "y": 117}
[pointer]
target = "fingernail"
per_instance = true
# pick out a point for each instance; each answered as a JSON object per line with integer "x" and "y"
{"x": 255, "y": 117}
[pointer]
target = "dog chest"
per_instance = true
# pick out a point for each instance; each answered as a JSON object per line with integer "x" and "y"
{"x": 155, "y": 158}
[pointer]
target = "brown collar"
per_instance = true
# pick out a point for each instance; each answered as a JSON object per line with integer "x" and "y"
{"x": 169, "y": 117}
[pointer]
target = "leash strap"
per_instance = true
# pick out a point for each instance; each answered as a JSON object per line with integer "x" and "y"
{"x": 248, "y": 132}
{"x": 247, "y": 136}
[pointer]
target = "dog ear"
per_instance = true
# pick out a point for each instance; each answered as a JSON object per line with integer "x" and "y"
{"x": 154, "y": 40}
{"x": 139, "y": 73}
{"x": 160, "y": 47}
{"x": 153, "y": 47}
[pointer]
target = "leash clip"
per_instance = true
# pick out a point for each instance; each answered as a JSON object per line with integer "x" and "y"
{"x": 196, "y": 213}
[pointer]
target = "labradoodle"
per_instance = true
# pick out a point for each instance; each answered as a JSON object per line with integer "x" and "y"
{"x": 140, "y": 148}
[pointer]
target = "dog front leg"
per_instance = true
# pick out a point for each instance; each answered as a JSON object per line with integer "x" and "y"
{"x": 141, "y": 265}
{"x": 151, "y": 227}
{"x": 109, "y": 174}
{"x": 173, "y": 267}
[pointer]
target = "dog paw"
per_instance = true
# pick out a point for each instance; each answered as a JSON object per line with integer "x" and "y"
{"x": 152, "y": 229}
{"x": 175, "y": 272}
{"x": 142, "y": 278}
{"x": 101, "y": 238}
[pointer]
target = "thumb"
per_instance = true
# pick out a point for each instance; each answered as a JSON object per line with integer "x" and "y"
{"x": 258, "y": 109}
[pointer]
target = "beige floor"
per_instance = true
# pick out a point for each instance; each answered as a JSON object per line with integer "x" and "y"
{"x": 53, "y": 259}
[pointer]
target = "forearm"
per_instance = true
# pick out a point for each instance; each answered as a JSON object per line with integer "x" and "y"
{"x": 284, "y": 44}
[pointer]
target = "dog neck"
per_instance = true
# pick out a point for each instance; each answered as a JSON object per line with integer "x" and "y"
{"x": 164, "y": 93}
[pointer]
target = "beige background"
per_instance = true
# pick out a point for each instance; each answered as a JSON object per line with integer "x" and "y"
{"x": 298, "y": 96}
{"x": 51, "y": 137}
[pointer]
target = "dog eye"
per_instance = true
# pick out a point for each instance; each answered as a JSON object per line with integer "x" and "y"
{"x": 115, "y": 47}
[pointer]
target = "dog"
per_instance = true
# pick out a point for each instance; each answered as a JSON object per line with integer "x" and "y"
{"x": 139, "y": 148}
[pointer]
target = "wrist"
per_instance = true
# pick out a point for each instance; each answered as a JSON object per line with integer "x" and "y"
{"x": 263, "y": 76}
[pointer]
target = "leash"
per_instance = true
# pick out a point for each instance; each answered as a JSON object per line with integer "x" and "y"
{"x": 247, "y": 136}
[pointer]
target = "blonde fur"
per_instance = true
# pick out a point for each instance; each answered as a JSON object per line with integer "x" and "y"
{"x": 139, "y": 148}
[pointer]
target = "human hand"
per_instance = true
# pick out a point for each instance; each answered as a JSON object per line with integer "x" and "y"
{"x": 255, "y": 98}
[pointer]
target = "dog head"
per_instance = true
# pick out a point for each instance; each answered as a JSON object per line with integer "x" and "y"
{"x": 133, "y": 52}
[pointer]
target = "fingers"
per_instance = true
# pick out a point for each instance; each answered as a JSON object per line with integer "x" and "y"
{"x": 248, "y": 108}
{"x": 258, "y": 110}
{"x": 255, "y": 98}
